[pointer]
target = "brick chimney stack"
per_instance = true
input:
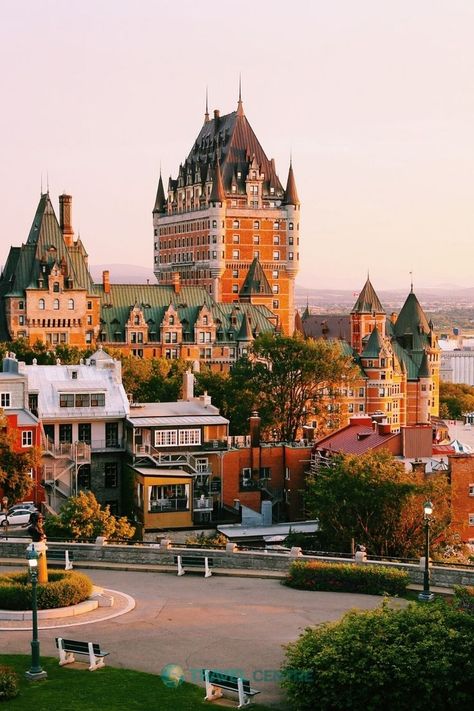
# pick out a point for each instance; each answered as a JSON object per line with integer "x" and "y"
{"x": 176, "y": 282}
{"x": 65, "y": 218}
{"x": 254, "y": 420}
{"x": 106, "y": 281}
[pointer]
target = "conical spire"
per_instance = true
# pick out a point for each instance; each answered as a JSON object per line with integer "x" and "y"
{"x": 245, "y": 332}
{"x": 299, "y": 323}
{"x": 411, "y": 319}
{"x": 424, "y": 369}
{"x": 374, "y": 345}
{"x": 291, "y": 194}
{"x": 217, "y": 192}
{"x": 240, "y": 106}
{"x": 160, "y": 197}
{"x": 256, "y": 281}
{"x": 306, "y": 312}
{"x": 368, "y": 301}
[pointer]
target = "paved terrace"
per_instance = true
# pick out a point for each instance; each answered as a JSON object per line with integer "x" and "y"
{"x": 219, "y": 622}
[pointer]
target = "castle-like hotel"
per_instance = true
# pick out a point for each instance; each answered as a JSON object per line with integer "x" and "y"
{"x": 226, "y": 254}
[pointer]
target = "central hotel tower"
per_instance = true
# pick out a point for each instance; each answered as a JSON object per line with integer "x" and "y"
{"x": 226, "y": 222}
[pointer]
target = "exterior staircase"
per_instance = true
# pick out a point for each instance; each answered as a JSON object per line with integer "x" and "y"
{"x": 60, "y": 463}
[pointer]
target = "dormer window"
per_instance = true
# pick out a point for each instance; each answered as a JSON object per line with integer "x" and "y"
{"x": 56, "y": 286}
{"x": 171, "y": 320}
{"x": 137, "y": 320}
{"x": 74, "y": 374}
{"x": 205, "y": 320}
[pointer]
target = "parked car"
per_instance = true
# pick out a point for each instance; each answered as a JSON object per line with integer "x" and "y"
{"x": 29, "y": 505}
{"x": 19, "y": 517}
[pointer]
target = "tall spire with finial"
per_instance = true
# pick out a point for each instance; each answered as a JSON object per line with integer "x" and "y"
{"x": 411, "y": 282}
{"x": 291, "y": 194}
{"x": 240, "y": 106}
{"x": 206, "y": 115}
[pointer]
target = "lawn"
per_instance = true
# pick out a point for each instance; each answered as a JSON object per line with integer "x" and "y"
{"x": 108, "y": 689}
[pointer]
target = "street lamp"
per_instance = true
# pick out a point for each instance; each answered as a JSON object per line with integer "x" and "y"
{"x": 426, "y": 595}
{"x": 35, "y": 672}
{"x": 5, "y": 513}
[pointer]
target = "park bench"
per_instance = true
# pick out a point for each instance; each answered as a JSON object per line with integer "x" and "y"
{"x": 199, "y": 561}
{"x": 69, "y": 647}
{"x": 62, "y": 555}
{"x": 216, "y": 682}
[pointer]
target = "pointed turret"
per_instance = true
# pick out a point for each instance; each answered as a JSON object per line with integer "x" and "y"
{"x": 306, "y": 312}
{"x": 255, "y": 283}
{"x": 291, "y": 194}
{"x": 217, "y": 192}
{"x": 299, "y": 324}
{"x": 160, "y": 201}
{"x": 368, "y": 302}
{"x": 245, "y": 332}
{"x": 374, "y": 345}
{"x": 411, "y": 319}
{"x": 240, "y": 106}
{"x": 206, "y": 115}
{"x": 424, "y": 369}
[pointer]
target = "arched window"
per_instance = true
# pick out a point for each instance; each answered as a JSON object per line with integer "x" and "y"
{"x": 56, "y": 304}
{"x": 41, "y": 304}
{"x": 70, "y": 304}
{"x": 56, "y": 286}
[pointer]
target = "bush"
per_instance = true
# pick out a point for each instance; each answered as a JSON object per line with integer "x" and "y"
{"x": 411, "y": 659}
{"x": 339, "y": 577}
{"x": 464, "y": 598}
{"x": 8, "y": 683}
{"x": 64, "y": 588}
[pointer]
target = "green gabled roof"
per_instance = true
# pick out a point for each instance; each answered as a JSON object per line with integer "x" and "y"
{"x": 406, "y": 360}
{"x": 368, "y": 302}
{"x": 411, "y": 319}
{"x": 255, "y": 282}
{"x": 46, "y": 246}
{"x": 374, "y": 345}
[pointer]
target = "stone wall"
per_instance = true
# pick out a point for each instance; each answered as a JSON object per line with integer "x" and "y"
{"x": 250, "y": 560}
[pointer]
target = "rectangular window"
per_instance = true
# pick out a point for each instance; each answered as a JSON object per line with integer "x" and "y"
{"x": 276, "y": 255}
{"x": 168, "y": 498}
{"x": 235, "y": 239}
{"x": 235, "y": 274}
{"x": 290, "y": 256}
{"x": 189, "y": 437}
{"x": 5, "y": 400}
{"x": 361, "y": 408}
{"x": 111, "y": 434}
{"x": 275, "y": 304}
{"x": 83, "y": 400}
{"x": 276, "y": 239}
{"x": 471, "y": 519}
{"x": 256, "y": 239}
{"x": 166, "y": 438}
{"x": 471, "y": 489}
{"x": 65, "y": 434}
{"x": 84, "y": 476}
{"x": 275, "y": 288}
{"x": 361, "y": 392}
{"x": 202, "y": 464}
{"x": 235, "y": 288}
{"x": 98, "y": 400}
{"x": 84, "y": 432}
{"x": 66, "y": 400}
{"x": 235, "y": 254}
{"x": 27, "y": 438}
{"x": 111, "y": 475}
{"x": 275, "y": 274}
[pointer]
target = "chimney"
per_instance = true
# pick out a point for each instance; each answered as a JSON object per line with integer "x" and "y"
{"x": 188, "y": 386}
{"x": 384, "y": 428}
{"x": 65, "y": 218}
{"x": 254, "y": 429}
{"x": 216, "y": 114}
{"x": 106, "y": 281}
{"x": 176, "y": 282}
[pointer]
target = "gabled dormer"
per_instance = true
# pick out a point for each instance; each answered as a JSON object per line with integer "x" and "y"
{"x": 171, "y": 327}
{"x": 136, "y": 327}
{"x": 205, "y": 327}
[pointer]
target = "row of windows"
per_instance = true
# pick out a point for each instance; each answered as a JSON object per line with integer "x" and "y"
{"x": 110, "y": 476}
{"x": 175, "y": 438}
{"x": 57, "y": 305}
{"x": 82, "y": 400}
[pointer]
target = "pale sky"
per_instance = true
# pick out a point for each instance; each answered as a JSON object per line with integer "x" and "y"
{"x": 374, "y": 99}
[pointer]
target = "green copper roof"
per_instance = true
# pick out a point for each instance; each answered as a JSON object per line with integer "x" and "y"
{"x": 411, "y": 319}
{"x": 424, "y": 369}
{"x": 406, "y": 361}
{"x": 245, "y": 333}
{"x": 255, "y": 282}
{"x": 368, "y": 302}
{"x": 374, "y": 345}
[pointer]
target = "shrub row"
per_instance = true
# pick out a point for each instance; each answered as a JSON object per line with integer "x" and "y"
{"x": 62, "y": 590}
{"x": 336, "y": 577}
{"x": 464, "y": 598}
{"x": 8, "y": 683}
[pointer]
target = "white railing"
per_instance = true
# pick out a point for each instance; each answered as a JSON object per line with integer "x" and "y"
{"x": 203, "y": 504}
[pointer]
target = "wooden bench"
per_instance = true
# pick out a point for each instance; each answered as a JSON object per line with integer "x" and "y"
{"x": 69, "y": 647}
{"x": 216, "y": 682}
{"x": 200, "y": 561}
{"x": 64, "y": 556}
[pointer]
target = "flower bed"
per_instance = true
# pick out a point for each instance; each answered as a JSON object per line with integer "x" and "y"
{"x": 336, "y": 577}
{"x": 63, "y": 589}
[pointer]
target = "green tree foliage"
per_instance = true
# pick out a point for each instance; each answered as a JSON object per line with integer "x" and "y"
{"x": 44, "y": 355}
{"x": 455, "y": 400}
{"x": 82, "y": 517}
{"x": 372, "y": 499}
{"x": 153, "y": 379}
{"x": 15, "y": 464}
{"x": 413, "y": 659}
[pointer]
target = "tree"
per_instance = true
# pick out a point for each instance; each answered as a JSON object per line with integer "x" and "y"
{"x": 455, "y": 400}
{"x": 412, "y": 659}
{"x": 82, "y": 517}
{"x": 372, "y": 499}
{"x": 153, "y": 379}
{"x": 15, "y": 465}
{"x": 293, "y": 375}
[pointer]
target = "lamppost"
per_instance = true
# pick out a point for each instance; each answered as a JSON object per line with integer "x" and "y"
{"x": 5, "y": 513}
{"x": 427, "y": 595}
{"x": 35, "y": 672}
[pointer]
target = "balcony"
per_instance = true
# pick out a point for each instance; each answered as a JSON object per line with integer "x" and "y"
{"x": 107, "y": 445}
{"x": 203, "y": 504}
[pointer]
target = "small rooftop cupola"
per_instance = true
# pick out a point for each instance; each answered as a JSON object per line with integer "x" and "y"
{"x": 291, "y": 194}
{"x": 374, "y": 345}
{"x": 160, "y": 202}
{"x": 217, "y": 196}
{"x": 368, "y": 302}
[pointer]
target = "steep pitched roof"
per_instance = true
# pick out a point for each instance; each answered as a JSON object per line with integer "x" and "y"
{"x": 291, "y": 194}
{"x": 424, "y": 370}
{"x": 255, "y": 282}
{"x": 160, "y": 200}
{"x": 217, "y": 192}
{"x": 411, "y": 319}
{"x": 245, "y": 333}
{"x": 374, "y": 345}
{"x": 368, "y": 302}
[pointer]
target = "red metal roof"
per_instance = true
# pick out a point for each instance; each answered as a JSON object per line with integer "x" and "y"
{"x": 356, "y": 438}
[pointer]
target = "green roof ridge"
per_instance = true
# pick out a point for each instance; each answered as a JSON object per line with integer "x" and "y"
{"x": 368, "y": 302}
{"x": 374, "y": 345}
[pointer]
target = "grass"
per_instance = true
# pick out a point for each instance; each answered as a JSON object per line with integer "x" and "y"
{"x": 108, "y": 689}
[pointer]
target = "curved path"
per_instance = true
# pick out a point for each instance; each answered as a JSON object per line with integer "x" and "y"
{"x": 220, "y": 623}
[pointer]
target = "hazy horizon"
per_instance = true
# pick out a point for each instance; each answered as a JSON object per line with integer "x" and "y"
{"x": 373, "y": 100}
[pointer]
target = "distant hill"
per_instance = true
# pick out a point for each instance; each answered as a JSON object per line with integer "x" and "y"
{"x": 123, "y": 273}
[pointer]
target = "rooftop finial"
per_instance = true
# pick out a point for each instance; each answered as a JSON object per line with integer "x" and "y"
{"x": 240, "y": 108}
{"x": 41, "y": 185}
{"x": 411, "y": 282}
{"x": 47, "y": 183}
{"x": 206, "y": 115}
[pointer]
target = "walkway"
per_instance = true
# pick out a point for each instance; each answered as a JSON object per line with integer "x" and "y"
{"x": 219, "y": 622}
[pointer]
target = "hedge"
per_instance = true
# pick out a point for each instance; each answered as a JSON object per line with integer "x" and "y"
{"x": 8, "y": 683}
{"x": 340, "y": 577}
{"x": 64, "y": 588}
{"x": 413, "y": 659}
{"x": 464, "y": 598}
